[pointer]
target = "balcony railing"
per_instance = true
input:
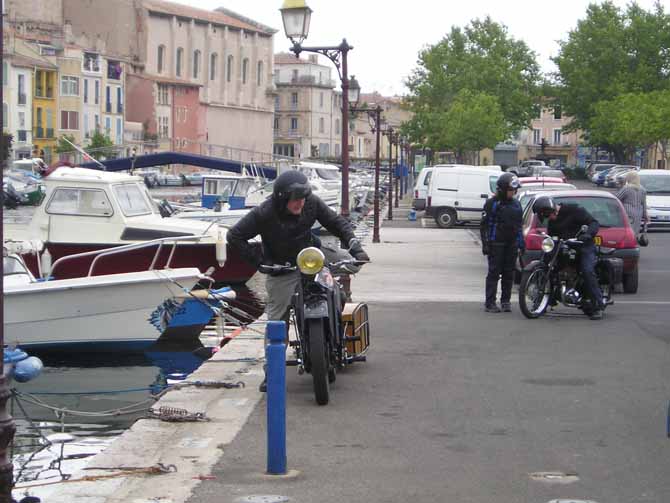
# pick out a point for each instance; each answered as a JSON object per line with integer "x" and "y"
{"x": 293, "y": 133}
{"x": 22, "y": 99}
{"x": 50, "y": 133}
{"x": 39, "y": 132}
{"x": 277, "y": 133}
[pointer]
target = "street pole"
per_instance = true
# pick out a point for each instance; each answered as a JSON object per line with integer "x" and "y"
{"x": 375, "y": 230}
{"x": 396, "y": 180}
{"x": 403, "y": 182}
{"x": 390, "y": 182}
{"x": 7, "y": 426}
{"x": 344, "y": 210}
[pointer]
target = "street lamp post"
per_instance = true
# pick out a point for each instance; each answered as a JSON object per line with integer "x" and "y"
{"x": 397, "y": 188}
{"x": 391, "y": 135}
{"x": 296, "y": 16}
{"x": 7, "y": 426}
{"x": 375, "y": 118}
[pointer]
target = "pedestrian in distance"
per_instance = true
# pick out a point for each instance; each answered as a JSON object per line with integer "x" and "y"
{"x": 502, "y": 241}
{"x": 634, "y": 200}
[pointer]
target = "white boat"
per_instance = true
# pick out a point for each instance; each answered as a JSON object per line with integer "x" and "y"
{"x": 112, "y": 311}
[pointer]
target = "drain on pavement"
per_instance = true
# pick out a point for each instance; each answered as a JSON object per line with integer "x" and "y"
{"x": 554, "y": 477}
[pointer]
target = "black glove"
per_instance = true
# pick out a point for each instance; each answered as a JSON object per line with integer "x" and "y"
{"x": 358, "y": 253}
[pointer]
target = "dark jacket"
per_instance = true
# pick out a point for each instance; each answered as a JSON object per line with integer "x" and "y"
{"x": 571, "y": 218}
{"x": 502, "y": 222}
{"x": 284, "y": 235}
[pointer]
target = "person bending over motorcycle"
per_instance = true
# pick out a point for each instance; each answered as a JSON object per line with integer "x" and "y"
{"x": 501, "y": 240}
{"x": 284, "y": 222}
{"x": 565, "y": 221}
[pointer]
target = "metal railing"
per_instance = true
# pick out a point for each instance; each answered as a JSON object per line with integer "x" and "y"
{"x": 135, "y": 246}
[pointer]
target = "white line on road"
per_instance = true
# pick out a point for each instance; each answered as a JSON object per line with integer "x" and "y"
{"x": 649, "y": 302}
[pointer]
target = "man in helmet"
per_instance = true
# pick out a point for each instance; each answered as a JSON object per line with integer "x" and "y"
{"x": 502, "y": 239}
{"x": 566, "y": 221}
{"x": 284, "y": 222}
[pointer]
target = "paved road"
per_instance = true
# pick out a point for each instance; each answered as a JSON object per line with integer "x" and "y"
{"x": 456, "y": 405}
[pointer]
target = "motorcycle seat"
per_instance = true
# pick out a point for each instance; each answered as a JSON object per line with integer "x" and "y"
{"x": 604, "y": 251}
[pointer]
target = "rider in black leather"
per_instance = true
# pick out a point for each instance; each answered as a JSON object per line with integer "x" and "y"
{"x": 565, "y": 221}
{"x": 502, "y": 239}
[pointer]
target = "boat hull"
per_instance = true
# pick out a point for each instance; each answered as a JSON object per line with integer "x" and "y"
{"x": 202, "y": 256}
{"x": 110, "y": 312}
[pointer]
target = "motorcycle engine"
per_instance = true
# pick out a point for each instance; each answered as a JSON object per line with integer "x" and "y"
{"x": 571, "y": 297}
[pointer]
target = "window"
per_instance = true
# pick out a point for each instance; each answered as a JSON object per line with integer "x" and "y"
{"x": 114, "y": 69}
{"x": 119, "y": 101}
{"x": 245, "y": 70}
{"x": 85, "y": 90}
{"x": 50, "y": 121}
{"x": 22, "y": 89}
{"x": 91, "y": 62}
{"x": 558, "y": 112}
{"x": 322, "y": 125}
{"x": 96, "y": 122}
{"x": 294, "y": 77}
{"x": 38, "y": 117}
{"x": 108, "y": 102}
{"x": 163, "y": 96}
{"x": 119, "y": 131}
{"x": 69, "y": 120}
{"x": 163, "y": 131}
{"x": 337, "y": 126}
{"x": 294, "y": 100}
{"x": 259, "y": 74}
{"x": 277, "y": 102}
{"x": 180, "y": 58}
{"x": 321, "y": 100}
{"x": 108, "y": 126}
{"x": 537, "y": 136}
{"x": 196, "y": 64}
{"x": 557, "y": 136}
{"x": 229, "y": 69}
{"x": 161, "y": 59}
{"x": 69, "y": 86}
{"x": 97, "y": 92}
{"x": 276, "y": 124}
{"x": 605, "y": 210}
{"x": 86, "y": 130}
{"x": 294, "y": 124}
{"x": 22, "y": 120}
{"x": 212, "y": 66}
{"x": 87, "y": 202}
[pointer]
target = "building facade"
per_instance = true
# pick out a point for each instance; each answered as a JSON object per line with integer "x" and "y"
{"x": 17, "y": 104}
{"x": 225, "y": 57}
{"x": 305, "y": 105}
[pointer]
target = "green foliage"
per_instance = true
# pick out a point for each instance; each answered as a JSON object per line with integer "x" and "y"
{"x": 7, "y": 140}
{"x": 63, "y": 147}
{"x": 481, "y": 58}
{"x": 101, "y": 146}
{"x": 613, "y": 52}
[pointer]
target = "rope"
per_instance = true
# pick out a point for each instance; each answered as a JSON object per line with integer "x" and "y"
{"x": 112, "y": 392}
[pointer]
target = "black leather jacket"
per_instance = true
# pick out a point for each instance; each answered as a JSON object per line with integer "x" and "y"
{"x": 569, "y": 222}
{"x": 284, "y": 235}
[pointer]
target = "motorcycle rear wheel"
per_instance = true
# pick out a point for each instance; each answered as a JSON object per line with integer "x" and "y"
{"x": 318, "y": 355}
{"x": 532, "y": 283}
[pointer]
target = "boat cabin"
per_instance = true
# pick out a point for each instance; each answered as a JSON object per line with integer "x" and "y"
{"x": 232, "y": 189}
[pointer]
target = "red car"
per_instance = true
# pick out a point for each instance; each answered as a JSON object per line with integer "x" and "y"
{"x": 539, "y": 180}
{"x": 615, "y": 230}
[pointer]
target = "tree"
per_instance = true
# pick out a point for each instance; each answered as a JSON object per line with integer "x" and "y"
{"x": 63, "y": 147}
{"x": 612, "y": 52}
{"x": 101, "y": 146}
{"x": 482, "y": 58}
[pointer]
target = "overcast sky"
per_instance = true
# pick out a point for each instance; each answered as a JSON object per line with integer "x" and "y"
{"x": 387, "y": 35}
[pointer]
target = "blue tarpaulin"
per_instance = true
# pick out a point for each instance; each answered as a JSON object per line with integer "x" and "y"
{"x": 165, "y": 158}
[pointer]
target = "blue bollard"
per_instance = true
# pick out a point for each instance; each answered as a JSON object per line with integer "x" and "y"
{"x": 412, "y": 215}
{"x": 275, "y": 358}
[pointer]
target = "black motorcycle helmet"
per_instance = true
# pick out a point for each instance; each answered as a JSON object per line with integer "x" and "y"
{"x": 289, "y": 186}
{"x": 544, "y": 206}
{"x": 505, "y": 182}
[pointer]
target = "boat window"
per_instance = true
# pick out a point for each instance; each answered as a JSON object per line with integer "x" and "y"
{"x": 85, "y": 202}
{"x": 131, "y": 200}
{"x": 210, "y": 187}
{"x": 244, "y": 187}
{"x": 12, "y": 265}
{"x": 328, "y": 174}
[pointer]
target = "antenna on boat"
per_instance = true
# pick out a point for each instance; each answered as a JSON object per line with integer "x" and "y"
{"x": 84, "y": 153}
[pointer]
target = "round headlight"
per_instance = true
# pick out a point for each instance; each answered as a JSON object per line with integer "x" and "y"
{"x": 310, "y": 261}
{"x": 547, "y": 245}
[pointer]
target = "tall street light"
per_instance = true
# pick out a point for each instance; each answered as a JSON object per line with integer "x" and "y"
{"x": 391, "y": 134}
{"x": 296, "y": 16}
{"x": 375, "y": 118}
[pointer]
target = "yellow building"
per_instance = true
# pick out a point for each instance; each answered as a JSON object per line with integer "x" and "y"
{"x": 45, "y": 111}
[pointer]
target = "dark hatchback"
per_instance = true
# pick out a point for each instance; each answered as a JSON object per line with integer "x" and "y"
{"x": 615, "y": 230}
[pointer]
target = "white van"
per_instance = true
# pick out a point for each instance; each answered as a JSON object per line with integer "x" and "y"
{"x": 421, "y": 189}
{"x": 456, "y": 194}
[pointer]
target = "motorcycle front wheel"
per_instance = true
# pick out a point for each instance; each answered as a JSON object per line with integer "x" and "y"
{"x": 318, "y": 355}
{"x": 533, "y": 294}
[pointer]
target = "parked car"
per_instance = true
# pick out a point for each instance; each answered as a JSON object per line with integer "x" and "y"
{"x": 457, "y": 194}
{"x": 528, "y": 192}
{"x": 599, "y": 177}
{"x": 657, "y": 184}
{"x": 525, "y": 168}
{"x": 616, "y": 175}
{"x": 535, "y": 180}
{"x": 421, "y": 189}
{"x": 545, "y": 171}
{"x": 615, "y": 230}
{"x": 596, "y": 167}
